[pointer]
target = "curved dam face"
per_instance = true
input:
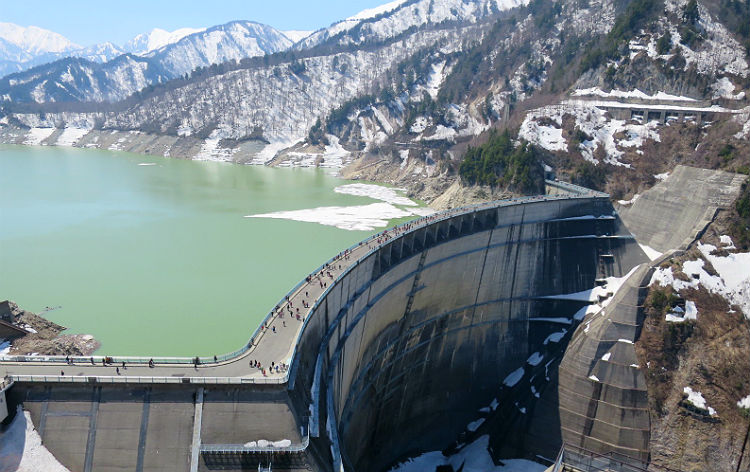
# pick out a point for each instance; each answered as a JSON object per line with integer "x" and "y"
{"x": 427, "y": 329}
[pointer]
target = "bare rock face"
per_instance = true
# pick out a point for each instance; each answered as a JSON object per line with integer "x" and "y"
{"x": 43, "y": 336}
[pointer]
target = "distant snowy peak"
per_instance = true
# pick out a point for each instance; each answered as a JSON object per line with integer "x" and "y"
{"x": 297, "y": 35}
{"x": 392, "y": 19}
{"x": 156, "y": 39}
{"x": 99, "y": 52}
{"x": 34, "y": 40}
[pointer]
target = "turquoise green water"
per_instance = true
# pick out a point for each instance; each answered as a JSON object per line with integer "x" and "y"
{"x": 157, "y": 260}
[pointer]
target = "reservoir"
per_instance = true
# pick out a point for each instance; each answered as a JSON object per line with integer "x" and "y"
{"x": 168, "y": 257}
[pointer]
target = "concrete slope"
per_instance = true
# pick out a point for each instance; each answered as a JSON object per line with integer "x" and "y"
{"x": 603, "y": 399}
{"x": 672, "y": 213}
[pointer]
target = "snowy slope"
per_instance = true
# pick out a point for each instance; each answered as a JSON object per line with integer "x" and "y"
{"x": 395, "y": 17}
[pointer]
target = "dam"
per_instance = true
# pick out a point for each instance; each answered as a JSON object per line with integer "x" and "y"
{"x": 471, "y": 311}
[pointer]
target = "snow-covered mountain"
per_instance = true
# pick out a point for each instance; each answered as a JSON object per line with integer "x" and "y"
{"x": 72, "y": 79}
{"x": 23, "y": 48}
{"x": 396, "y": 17}
{"x": 157, "y": 38}
{"x": 34, "y": 41}
{"x": 231, "y": 41}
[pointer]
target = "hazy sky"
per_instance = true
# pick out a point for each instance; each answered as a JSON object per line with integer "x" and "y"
{"x": 88, "y": 22}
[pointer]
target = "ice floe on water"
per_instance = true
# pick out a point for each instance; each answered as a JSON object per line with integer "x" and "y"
{"x": 377, "y": 192}
{"x": 357, "y": 217}
{"x": 21, "y": 448}
{"x": 354, "y": 218}
{"x": 474, "y": 458}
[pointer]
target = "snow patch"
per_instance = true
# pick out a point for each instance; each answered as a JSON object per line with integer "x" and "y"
{"x": 35, "y": 136}
{"x": 696, "y": 399}
{"x": 629, "y": 202}
{"x": 70, "y": 136}
{"x": 726, "y": 242}
{"x": 596, "y": 91}
{"x": 724, "y": 88}
{"x": 474, "y": 457}
{"x": 678, "y": 315}
{"x": 514, "y": 377}
{"x": 651, "y": 253}
{"x": 732, "y": 283}
{"x": 5, "y": 345}
{"x": 535, "y": 359}
{"x": 21, "y": 444}
{"x": 474, "y": 425}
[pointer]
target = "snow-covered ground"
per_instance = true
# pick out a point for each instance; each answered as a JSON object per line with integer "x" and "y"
{"x": 543, "y": 127}
{"x": 474, "y": 457}
{"x": 596, "y": 91}
{"x": 21, "y": 448}
{"x": 732, "y": 281}
{"x": 35, "y": 136}
{"x": 70, "y": 136}
{"x": 678, "y": 315}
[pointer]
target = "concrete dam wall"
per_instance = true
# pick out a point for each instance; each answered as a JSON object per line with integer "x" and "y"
{"x": 419, "y": 335}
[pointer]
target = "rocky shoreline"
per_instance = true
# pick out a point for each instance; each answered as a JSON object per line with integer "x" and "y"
{"x": 39, "y": 336}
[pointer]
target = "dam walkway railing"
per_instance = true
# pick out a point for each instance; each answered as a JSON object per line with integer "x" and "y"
{"x": 162, "y": 364}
